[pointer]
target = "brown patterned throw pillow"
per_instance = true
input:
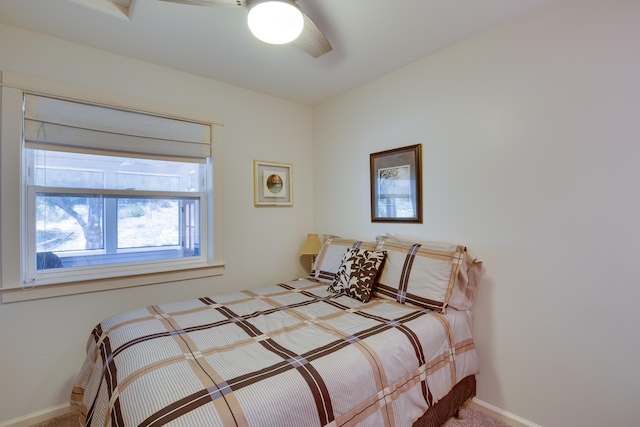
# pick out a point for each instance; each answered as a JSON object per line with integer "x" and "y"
{"x": 358, "y": 272}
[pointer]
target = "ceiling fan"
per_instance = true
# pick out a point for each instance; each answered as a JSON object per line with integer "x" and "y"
{"x": 310, "y": 39}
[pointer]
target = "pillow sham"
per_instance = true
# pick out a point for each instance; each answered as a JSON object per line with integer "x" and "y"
{"x": 466, "y": 284}
{"x": 330, "y": 256}
{"x": 421, "y": 273}
{"x": 465, "y": 289}
{"x": 357, "y": 273}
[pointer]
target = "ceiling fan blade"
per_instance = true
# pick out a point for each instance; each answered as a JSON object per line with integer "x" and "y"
{"x": 312, "y": 40}
{"x": 209, "y": 2}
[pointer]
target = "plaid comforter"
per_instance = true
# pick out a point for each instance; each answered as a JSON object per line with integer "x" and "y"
{"x": 286, "y": 355}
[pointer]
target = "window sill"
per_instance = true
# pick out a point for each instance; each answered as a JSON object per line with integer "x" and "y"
{"x": 18, "y": 293}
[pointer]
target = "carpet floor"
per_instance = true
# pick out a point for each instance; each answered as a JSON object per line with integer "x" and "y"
{"x": 469, "y": 417}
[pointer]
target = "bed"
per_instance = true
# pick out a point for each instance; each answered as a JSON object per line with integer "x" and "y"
{"x": 299, "y": 353}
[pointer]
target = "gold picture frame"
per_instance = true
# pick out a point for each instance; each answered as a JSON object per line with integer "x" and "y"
{"x": 272, "y": 183}
{"x": 396, "y": 185}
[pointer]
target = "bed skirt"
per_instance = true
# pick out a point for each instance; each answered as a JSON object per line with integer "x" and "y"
{"x": 447, "y": 407}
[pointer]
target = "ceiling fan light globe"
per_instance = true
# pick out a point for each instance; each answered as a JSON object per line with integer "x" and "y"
{"x": 276, "y": 22}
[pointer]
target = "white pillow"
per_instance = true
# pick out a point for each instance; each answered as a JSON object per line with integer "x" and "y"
{"x": 330, "y": 256}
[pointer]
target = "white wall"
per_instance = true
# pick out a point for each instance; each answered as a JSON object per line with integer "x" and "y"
{"x": 531, "y": 147}
{"x": 42, "y": 342}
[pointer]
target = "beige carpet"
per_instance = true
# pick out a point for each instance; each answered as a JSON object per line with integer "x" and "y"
{"x": 469, "y": 417}
{"x": 68, "y": 420}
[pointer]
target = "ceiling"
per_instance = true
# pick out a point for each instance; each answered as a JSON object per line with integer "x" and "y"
{"x": 370, "y": 38}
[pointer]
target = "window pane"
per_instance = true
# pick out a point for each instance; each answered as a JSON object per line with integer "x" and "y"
{"x": 81, "y": 230}
{"x": 69, "y": 222}
{"x": 78, "y": 170}
{"x": 140, "y": 181}
{"x": 148, "y": 223}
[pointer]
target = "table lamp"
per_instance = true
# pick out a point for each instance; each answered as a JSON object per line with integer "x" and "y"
{"x": 311, "y": 247}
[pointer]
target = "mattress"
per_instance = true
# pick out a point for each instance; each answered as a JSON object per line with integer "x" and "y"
{"x": 291, "y": 354}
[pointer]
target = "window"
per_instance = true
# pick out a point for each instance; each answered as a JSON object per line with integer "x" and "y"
{"x": 140, "y": 218}
{"x": 120, "y": 195}
{"x": 105, "y": 189}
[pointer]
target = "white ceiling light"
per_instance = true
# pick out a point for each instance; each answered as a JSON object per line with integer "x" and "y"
{"x": 276, "y": 21}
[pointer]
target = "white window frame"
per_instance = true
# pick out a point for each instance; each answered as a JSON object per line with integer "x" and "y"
{"x": 13, "y": 86}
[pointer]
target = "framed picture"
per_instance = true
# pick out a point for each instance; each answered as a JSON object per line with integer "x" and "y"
{"x": 396, "y": 185}
{"x": 272, "y": 184}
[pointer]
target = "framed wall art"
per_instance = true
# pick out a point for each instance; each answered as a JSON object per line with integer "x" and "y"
{"x": 272, "y": 184}
{"x": 396, "y": 185}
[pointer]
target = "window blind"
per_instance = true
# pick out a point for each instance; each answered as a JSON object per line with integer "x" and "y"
{"x": 55, "y": 124}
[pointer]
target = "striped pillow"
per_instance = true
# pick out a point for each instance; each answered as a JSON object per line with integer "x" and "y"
{"x": 330, "y": 256}
{"x": 419, "y": 273}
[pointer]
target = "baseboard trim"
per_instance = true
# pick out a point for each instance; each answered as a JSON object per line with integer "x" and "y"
{"x": 500, "y": 414}
{"x": 40, "y": 416}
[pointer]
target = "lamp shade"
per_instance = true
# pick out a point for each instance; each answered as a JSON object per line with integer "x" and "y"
{"x": 312, "y": 245}
{"x": 275, "y": 21}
